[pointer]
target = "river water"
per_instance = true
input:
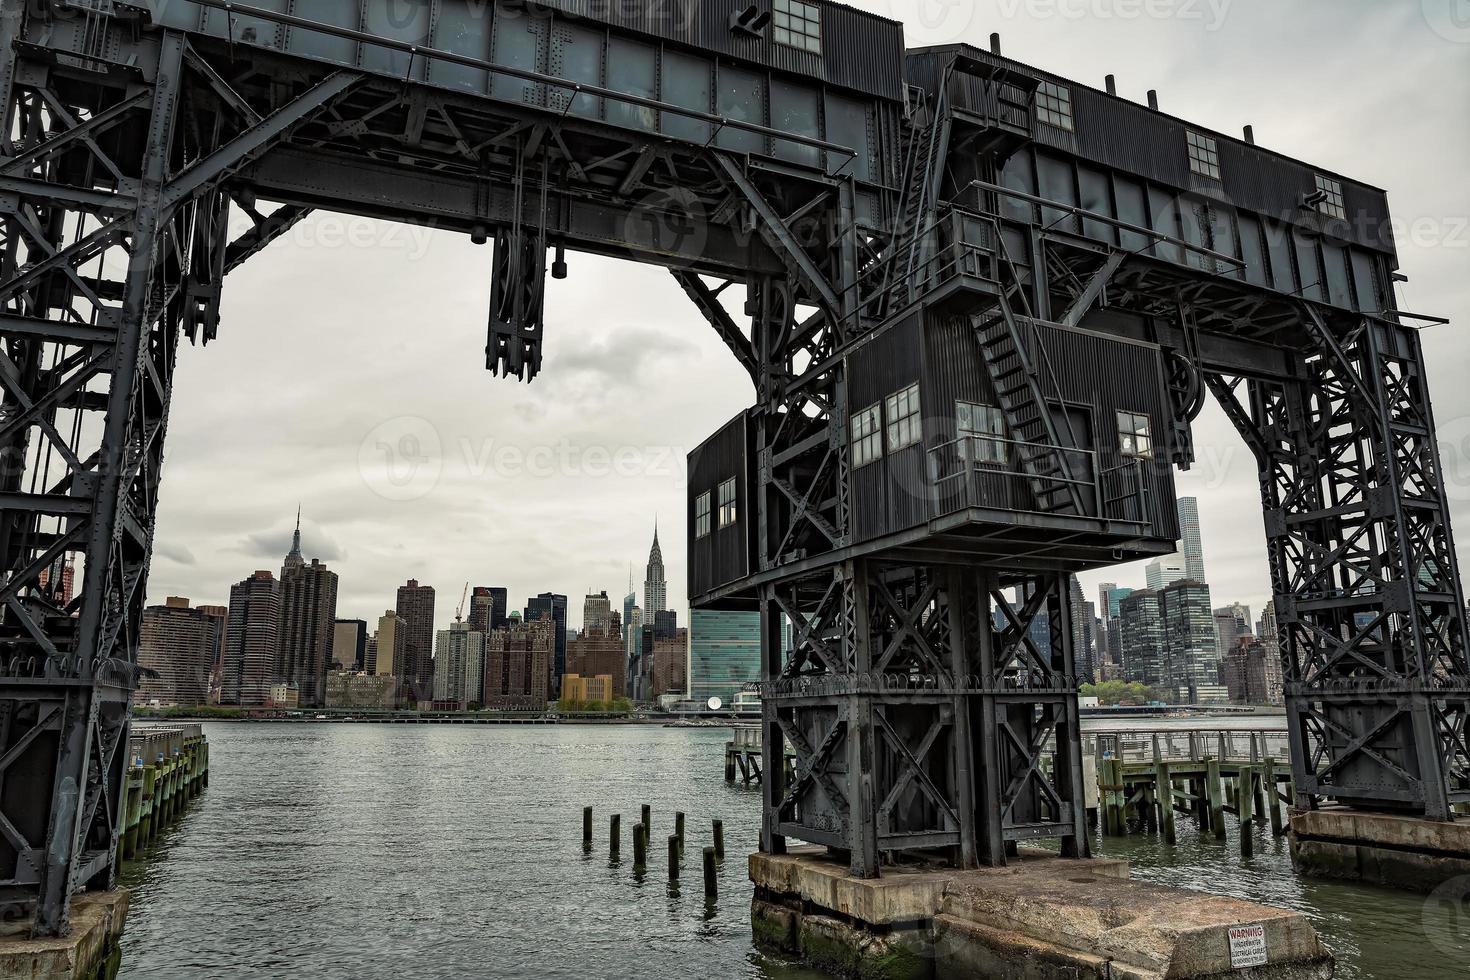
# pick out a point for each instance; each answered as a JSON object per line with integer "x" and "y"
{"x": 428, "y": 851}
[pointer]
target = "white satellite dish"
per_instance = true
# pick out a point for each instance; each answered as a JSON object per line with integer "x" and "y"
{"x": 714, "y": 704}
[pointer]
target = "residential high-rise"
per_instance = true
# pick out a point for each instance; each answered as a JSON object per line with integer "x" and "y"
{"x": 416, "y": 607}
{"x": 517, "y": 665}
{"x": 669, "y": 665}
{"x": 1188, "y": 636}
{"x": 308, "y": 613}
{"x": 596, "y": 614}
{"x": 724, "y": 653}
{"x": 391, "y": 648}
{"x": 655, "y": 588}
{"x": 1141, "y": 640}
{"x": 1190, "y": 545}
{"x": 179, "y": 643}
{"x": 218, "y": 617}
{"x": 1165, "y": 570}
{"x": 459, "y": 667}
{"x": 487, "y": 608}
{"x": 593, "y": 654}
{"x": 1251, "y": 674}
{"x": 554, "y": 605}
{"x": 349, "y": 644}
{"x": 252, "y": 640}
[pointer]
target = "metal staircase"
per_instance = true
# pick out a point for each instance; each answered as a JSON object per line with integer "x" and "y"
{"x": 1019, "y": 389}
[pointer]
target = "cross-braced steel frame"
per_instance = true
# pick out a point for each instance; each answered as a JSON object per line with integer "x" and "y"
{"x": 920, "y": 719}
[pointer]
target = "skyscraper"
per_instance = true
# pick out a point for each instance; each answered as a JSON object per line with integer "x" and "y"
{"x": 390, "y": 645}
{"x": 655, "y": 589}
{"x": 1142, "y": 642}
{"x": 349, "y": 644}
{"x": 308, "y": 613}
{"x": 1165, "y": 570}
{"x": 178, "y": 643}
{"x": 459, "y": 666}
{"x": 596, "y": 614}
{"x": 293, "y": 557}
{"x": 416, "y": 608}
{"x": 724, "y": 653}
{"x": 1189, "y": 539}
{"x": 252, "y": 640}
{"x": 487, "y": 608}
{"x": 1188, "y": 628}
{"x": 555, "y": 606}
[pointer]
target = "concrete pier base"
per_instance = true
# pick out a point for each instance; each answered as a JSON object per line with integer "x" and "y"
{"x": 90, "y": 952}
{"x": 1390, "y": 849}
{"x": 1040, "y": 918}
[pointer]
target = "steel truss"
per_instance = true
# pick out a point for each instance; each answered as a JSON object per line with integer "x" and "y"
{"x": 918, "y": 722}
{"x": 1367, "y": 590}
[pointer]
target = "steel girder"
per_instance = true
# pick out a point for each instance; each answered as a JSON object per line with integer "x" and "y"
{"x": 1366, "y": 584}
{"x": 115, "y": 244}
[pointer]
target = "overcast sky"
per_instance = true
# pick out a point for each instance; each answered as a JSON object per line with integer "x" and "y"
{"x": 348, "y": 375}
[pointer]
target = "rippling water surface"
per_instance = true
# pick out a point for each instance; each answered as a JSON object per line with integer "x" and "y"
{"x": 426, "y": 851}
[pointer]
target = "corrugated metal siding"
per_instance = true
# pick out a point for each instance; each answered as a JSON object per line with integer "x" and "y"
{"x": 723, "y": 555}
{"x": 1133, "y": 138}
{"x": 1275, "y": 254}
{"x": 883, "y": 492}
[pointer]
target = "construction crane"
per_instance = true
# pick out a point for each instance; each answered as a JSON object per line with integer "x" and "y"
{"x": 459, "y": 610}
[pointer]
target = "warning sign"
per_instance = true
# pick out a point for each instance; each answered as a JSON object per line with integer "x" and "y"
{"x": 1247, "y": 946}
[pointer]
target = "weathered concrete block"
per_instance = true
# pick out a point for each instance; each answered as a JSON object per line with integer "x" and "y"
{"x": 97, "y": 920}
{"x": 1399, "y": 851}
{"x": 1040, "y": 918}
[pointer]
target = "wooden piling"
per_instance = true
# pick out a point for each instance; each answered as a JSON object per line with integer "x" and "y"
{"x": 614, "y": 835}
{"x": 711, "y": 883}
{"x": 729, "y": 764}
{"x": 1213, "y": 791}
{"x": 719, "y": 847}
{"x": 679, "y": 829}
{"x": 1273, "y": 798}
{"x": 586, "y": 828}
{"x": 1257, "y": 786}
{"x": 640, "y": 846}
{"x": 1165, "y": 793}
{"x": 1244, "y": 812}
{"x": 673, "y": 857}
{"x": 647, "y": 817}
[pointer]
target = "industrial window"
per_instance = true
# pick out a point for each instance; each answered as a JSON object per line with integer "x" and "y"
{"x": 727, "y": 502}
{"x": 1054, "y": 105}
{"x": 1332, "y": 204}
{"x": 701, "y": 515}
{"x": 902, "y": 411}
{"x": 1135, "y": 437}
{"x": 982, "y": 429}
{"x": 799, "y": 25}
{"x": 867, "y": 436}
{"x": 1204, "y": 156}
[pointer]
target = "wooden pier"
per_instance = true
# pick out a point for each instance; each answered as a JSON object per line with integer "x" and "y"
{"x": 744, "y": 758}
{"x": 1147, "y": 778}
{"x": 167, "y": 767}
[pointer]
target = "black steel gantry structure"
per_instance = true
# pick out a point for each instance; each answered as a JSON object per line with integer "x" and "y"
{"x": 942, "y": 253}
